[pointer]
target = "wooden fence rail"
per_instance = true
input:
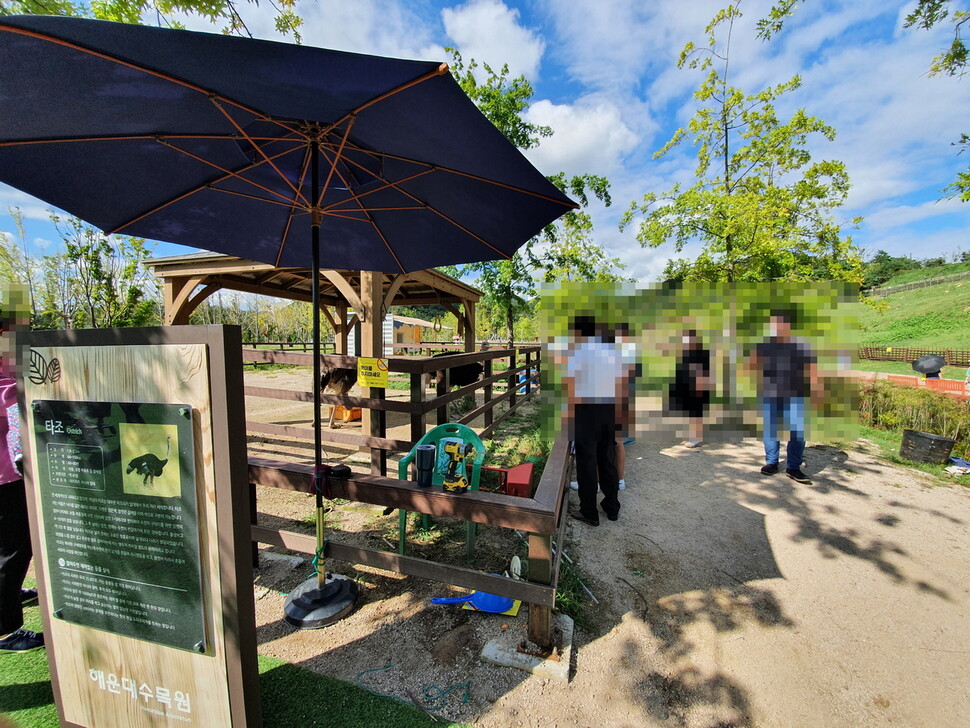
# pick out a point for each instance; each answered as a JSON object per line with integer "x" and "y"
{"x": 889, "y": 290}
{"x": 419, "y": 407}
{"x": 953, "y": 357}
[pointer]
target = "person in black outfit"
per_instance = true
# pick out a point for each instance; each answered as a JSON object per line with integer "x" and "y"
{"x": 690, "y": 391}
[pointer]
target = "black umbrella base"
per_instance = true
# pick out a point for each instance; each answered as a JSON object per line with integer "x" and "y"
{"x": 309, "y": 607}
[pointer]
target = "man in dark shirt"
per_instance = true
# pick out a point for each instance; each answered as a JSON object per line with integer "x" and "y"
{"x": 788, "y": 378}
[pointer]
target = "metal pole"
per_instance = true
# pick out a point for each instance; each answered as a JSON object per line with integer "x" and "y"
{"x": 315, "y": 296}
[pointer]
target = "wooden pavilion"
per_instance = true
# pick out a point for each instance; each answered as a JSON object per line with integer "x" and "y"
{"x": 188, "y": 280}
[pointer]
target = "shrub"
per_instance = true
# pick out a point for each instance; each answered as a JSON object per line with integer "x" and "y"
{"x": 891, "y": 407}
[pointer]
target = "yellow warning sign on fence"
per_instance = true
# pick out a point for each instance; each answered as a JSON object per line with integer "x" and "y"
{"x": 372, "y": 372}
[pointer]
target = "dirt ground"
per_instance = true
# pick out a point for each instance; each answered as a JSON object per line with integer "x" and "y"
{"x": 725, "y": 598}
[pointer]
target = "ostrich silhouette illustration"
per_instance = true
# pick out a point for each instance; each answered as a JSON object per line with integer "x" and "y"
{"x": 149, "y": 466}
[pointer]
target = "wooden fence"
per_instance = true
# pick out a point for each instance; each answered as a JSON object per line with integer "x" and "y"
{"x": 542, "y": 516}
{"x": 327, "y": 347}
{"x": 889, "y": 290}
{"x": 418, "y": 408}
{"x": 953, "y": 357}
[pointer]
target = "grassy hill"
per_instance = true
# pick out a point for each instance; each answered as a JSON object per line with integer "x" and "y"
{"x": 934, "y": 317}
{"x": 921, "y": 274}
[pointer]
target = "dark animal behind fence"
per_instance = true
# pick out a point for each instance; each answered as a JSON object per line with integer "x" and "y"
{"x": 339, "y": 381}
{"x": 458, "y": 376}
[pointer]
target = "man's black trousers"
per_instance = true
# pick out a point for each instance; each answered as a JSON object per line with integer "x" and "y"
{"x": 595, "y": 438}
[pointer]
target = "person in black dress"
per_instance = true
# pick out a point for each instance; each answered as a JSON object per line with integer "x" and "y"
{"x": 690, "y": 391}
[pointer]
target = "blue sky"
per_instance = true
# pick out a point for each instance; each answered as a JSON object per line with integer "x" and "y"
{"x": 606, "y": 81}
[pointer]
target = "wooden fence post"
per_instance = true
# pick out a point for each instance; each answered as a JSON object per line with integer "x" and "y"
{"x": 540, "y": 571}
{"x": 417, "y": 397}
{"x": 488, "y": 393}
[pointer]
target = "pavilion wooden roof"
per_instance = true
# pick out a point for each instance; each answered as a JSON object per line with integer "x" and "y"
{"x": 238, "y": 274}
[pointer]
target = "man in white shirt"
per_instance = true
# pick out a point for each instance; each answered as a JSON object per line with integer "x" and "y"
{"x": 596, "y": 376}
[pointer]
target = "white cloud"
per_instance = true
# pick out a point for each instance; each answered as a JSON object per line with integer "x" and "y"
{"x": 377, "y": 27}
{"x": 590, "y": 137}
{"x": 490, "y": 32}
{"x": 30, "y": 207}
{"x": 898, "y": 215}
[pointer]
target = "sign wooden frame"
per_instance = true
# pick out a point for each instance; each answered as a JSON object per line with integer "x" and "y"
{"x": 199, "y": 366}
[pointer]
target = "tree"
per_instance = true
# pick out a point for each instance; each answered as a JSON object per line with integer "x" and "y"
{"x": 759, "y": 206}
{"x": 884, "y": 266}
{"x": 162, "y": 11}
{"x": 565, "y": 248}
{"x": 106, "y": 286}
{"x": 16, "y": 263}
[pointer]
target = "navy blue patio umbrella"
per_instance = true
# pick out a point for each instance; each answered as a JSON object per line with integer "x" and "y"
{"x": 251, "y": 148}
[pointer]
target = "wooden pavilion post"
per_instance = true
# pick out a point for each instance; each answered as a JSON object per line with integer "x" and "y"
{"x": 342, "y": 333}
{"x": 468, "y": 307}
{"x": 373, "y": 423}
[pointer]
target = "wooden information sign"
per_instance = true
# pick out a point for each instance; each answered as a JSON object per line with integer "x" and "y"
{"x": 133, "y": 442}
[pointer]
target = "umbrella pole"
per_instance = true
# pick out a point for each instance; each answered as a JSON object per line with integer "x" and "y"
{"x": 324, "y": 598}
{"x": 318, "y": 474}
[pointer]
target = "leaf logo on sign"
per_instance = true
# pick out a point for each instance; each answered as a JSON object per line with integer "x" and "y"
{"x": 41, "y": 371}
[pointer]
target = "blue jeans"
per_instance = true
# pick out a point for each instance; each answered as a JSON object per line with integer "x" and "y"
{"x": 791, "y": 411}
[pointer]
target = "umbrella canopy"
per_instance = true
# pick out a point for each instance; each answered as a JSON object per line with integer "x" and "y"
{"x": 207, "y": 140}
{"x": 284, "y": 154}
{"x": 929, "y": 364}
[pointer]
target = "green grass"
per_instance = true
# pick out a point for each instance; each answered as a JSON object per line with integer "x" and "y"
{"x": 922, "y": 274}
{"x": 932, "y": 317}
{"x": 291, "y": 696}
{"x": 903, "y": 367}
{"x": 889, "y": 443}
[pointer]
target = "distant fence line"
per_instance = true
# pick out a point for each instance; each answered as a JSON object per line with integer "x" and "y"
{"x": 953, "y": 357}
{"x": 889, "y": 290}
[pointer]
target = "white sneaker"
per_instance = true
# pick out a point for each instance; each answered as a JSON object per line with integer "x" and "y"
{"x": 622, "y": 485}
{"x": 574, "y": 485}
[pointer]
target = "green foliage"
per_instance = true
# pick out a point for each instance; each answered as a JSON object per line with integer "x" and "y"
{"x": 565, "y": 250}
{"x": 16, "y": 263}
{"x": 104, "y": 285}
{"x": 96, "y": 282}
{"x": 262, "y": 319}
{"x": 895, "y": 408}
{"x": 884, "y": 266}
{"x": 225, "y": 12}
{"x": 952, "y": 61}
{"x": 502, "y": 100}
{"x": 427, "y": 312}
{"x": 508, "y": 286}
{"x": 759, "y": 206}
